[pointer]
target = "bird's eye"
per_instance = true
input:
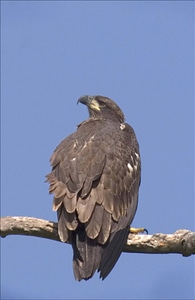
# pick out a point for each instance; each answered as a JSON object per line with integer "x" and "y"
{"x": 101, "y": 104}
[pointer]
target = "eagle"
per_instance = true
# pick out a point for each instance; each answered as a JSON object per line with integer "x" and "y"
{"x": 95, "y": 180}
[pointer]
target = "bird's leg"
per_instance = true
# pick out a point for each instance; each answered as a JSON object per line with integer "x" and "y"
{"x": 138, "y": 230}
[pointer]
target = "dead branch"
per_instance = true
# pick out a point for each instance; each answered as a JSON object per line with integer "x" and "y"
{"x": 182, "y": 241}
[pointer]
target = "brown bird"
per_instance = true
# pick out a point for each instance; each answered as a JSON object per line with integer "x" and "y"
{"x": 95, "y": 180}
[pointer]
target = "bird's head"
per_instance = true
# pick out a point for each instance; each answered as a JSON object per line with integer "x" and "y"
{"x": 102, "y": 107}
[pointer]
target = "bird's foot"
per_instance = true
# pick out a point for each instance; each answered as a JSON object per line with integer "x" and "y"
{"x": 138, "y": 230}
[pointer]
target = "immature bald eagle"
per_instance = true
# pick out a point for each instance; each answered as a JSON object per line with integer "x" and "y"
{"x": 95, "y": 180}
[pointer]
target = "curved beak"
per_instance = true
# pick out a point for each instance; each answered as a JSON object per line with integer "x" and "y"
{"x": 84, "y": 100}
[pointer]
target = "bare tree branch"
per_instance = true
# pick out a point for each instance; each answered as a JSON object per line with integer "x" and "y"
{"x": 182, "y": 241}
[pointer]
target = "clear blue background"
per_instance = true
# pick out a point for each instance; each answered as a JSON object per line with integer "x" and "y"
{"x": 140, "y": 54}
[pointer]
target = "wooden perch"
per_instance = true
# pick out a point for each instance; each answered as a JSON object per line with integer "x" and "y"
{"x": 182, "y": 241}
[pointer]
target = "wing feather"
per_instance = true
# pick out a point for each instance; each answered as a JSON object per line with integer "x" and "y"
{"x": 67, "y": 220}
{"x": 94, "y": 224}
{"x": 97, "y": 191}
{"x": 85, "y": 207}
{"x": 64, "y": 223}
{"x": 108, "y": 201}
{"x": 105, "y": 228}
{"x": 70, "y": 203}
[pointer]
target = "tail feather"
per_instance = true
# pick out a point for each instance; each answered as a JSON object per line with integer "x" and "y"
{"x": 86, "y": 255}
{"x": 112, "y": 251}
{"x": 89, "y": 256}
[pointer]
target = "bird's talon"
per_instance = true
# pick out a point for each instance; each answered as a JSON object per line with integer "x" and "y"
{"x": 138, "y": 230}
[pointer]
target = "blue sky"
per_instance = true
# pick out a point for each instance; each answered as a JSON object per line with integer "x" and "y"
{"x": 141, "y": 54}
